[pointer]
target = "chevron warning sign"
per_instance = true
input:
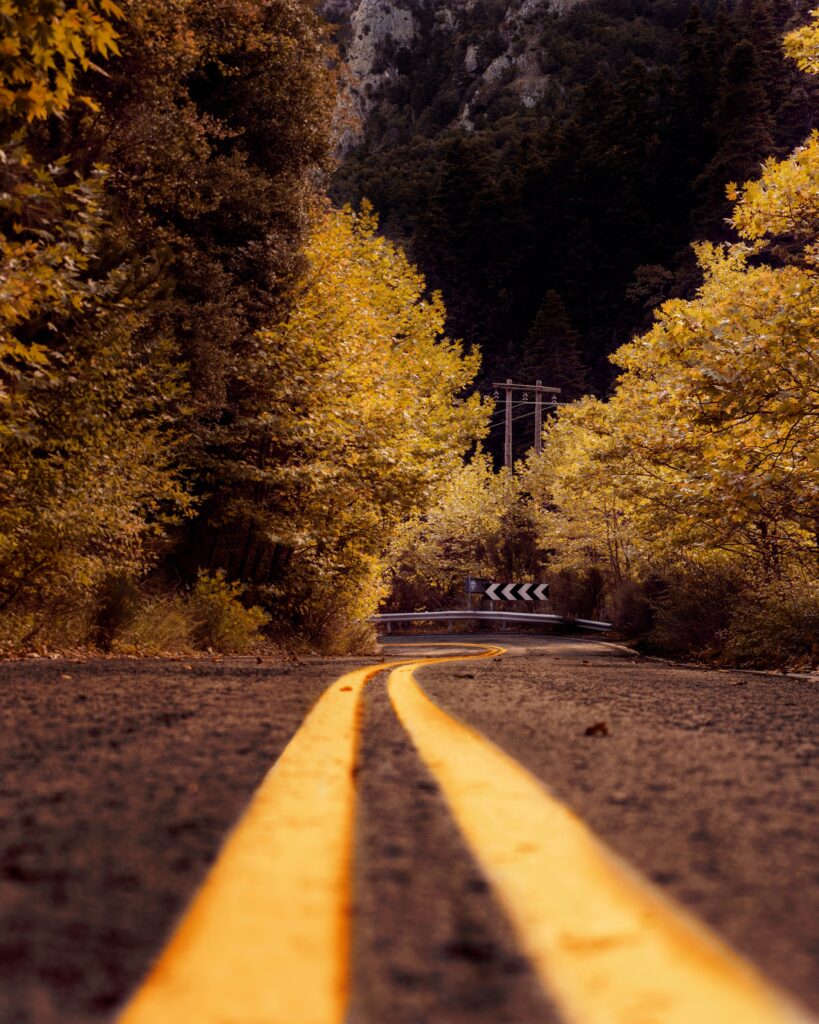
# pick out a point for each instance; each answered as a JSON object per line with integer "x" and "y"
{"x": 517, "y": 591}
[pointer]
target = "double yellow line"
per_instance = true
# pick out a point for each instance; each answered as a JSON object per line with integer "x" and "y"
{"x": 266, "y": 939}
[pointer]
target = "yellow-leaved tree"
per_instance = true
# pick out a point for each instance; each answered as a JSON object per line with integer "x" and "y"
{"x": 50, "y": 221}
{"x": 706, "y": 458}
{"x": 475, "y": 525}
{"x": 45, "y": 43}
{"x": 368, "y": 417}
{"x": 86, "y": 439}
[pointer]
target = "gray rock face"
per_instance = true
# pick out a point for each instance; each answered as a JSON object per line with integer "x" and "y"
{"x": 374, "y": 33}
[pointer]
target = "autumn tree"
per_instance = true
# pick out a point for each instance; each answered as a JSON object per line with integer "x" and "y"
{"x": 84, "y": 404}
{"x": 215, "y": 121}
{"x": 368, "y": 415}
{"x": 46, "y": 45}
{"x": 477, "y": 524}
{"x": 153, "y": 226}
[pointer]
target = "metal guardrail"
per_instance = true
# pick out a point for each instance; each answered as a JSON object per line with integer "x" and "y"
{"x": 530, "y": 618}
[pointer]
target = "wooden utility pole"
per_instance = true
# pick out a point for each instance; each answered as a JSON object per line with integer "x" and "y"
{"x": 538, "y": 418}
{"x": 510, "y": 388}
{"x": 507, "y": 443}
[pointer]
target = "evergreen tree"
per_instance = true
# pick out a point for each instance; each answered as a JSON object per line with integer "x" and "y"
{"x": 88, "y": 441}
{"x": 551, "y": 351}
{"x": 695, "y": 95}
{"x": 743, "y": 124}
{"x": 215, "y": 122}
{"x": 648, "y": 113}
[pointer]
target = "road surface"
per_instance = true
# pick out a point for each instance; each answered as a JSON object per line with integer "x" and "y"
{"x": 418, "y": 901}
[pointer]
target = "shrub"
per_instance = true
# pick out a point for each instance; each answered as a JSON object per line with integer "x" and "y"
{"x": 577, "y": 594}
{"x": 334, "y": 611}
{"x": 631, "y": 610}
{"x": 55, "y": 627}
{"x": 211, "y": 617}
{"x": 119, "y": 601}
{"x": 158, "y": 626}
{"x": 219, "y": 619}
{"x": 776, "y": 626}
{"x": 692, "y": 611}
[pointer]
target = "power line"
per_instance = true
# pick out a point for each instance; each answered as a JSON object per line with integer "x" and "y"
{"x": 515, "y": 419}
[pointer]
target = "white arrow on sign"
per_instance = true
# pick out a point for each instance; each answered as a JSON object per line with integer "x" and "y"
{"x": 517, "y": 591}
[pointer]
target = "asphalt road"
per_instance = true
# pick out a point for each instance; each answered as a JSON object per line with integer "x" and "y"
{"x": 119, "y": 781}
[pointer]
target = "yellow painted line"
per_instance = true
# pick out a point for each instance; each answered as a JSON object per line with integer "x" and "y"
{"x": 607, "y": 946}
{"x": 266, "y": 938}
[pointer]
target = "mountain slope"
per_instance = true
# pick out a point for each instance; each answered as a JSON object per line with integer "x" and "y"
{"x": 524, "y": 148}
{"x": 469, "y": 52}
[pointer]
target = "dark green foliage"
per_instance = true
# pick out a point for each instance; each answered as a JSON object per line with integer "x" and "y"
{"x": 132, "y": 298}
{"x": 743, "y": 126}
{"x": 551, "y": 350}
{"x": 215, "y": 121}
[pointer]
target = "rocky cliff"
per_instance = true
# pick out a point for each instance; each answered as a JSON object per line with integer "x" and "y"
{"x": 472, "y": 52}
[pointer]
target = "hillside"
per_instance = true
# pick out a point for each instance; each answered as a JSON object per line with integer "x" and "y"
{"x": 459, "y": 59}
{"x": 548, "y": 165}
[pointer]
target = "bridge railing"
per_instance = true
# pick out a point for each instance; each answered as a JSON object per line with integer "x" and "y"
{"x": 528, "y": 618}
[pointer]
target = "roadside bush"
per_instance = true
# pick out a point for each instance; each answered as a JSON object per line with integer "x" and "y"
{"x": 158, "y": 626}
{"x": 210, "y": 617}
{"x": 776, "y": 626}
{"x": 119, "y": 602}
{"x": 577, "y": 594}
{"x": 334, "y": 611}
{"x": 219, "y": 619}
{"x": 338, "y": 635}
{"x": 61, "y": 627}
{"x": 631, "y": 613}
{"x": 692, "y": 612}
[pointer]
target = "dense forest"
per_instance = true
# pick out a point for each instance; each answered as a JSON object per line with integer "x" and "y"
{"x": 231, "y": 413}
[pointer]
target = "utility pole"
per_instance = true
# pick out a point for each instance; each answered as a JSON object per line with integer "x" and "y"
{"x": 538, "y": 418}
{"x": 510, "y": 388}
{"x": 507, "y": 443}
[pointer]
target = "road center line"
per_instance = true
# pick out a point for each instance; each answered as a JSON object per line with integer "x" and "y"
{"x": 266, "y": 938}
{"x": 607, "y": 945}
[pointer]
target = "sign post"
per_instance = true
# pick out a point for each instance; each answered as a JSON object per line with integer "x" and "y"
{"x": 475, "y": 586}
